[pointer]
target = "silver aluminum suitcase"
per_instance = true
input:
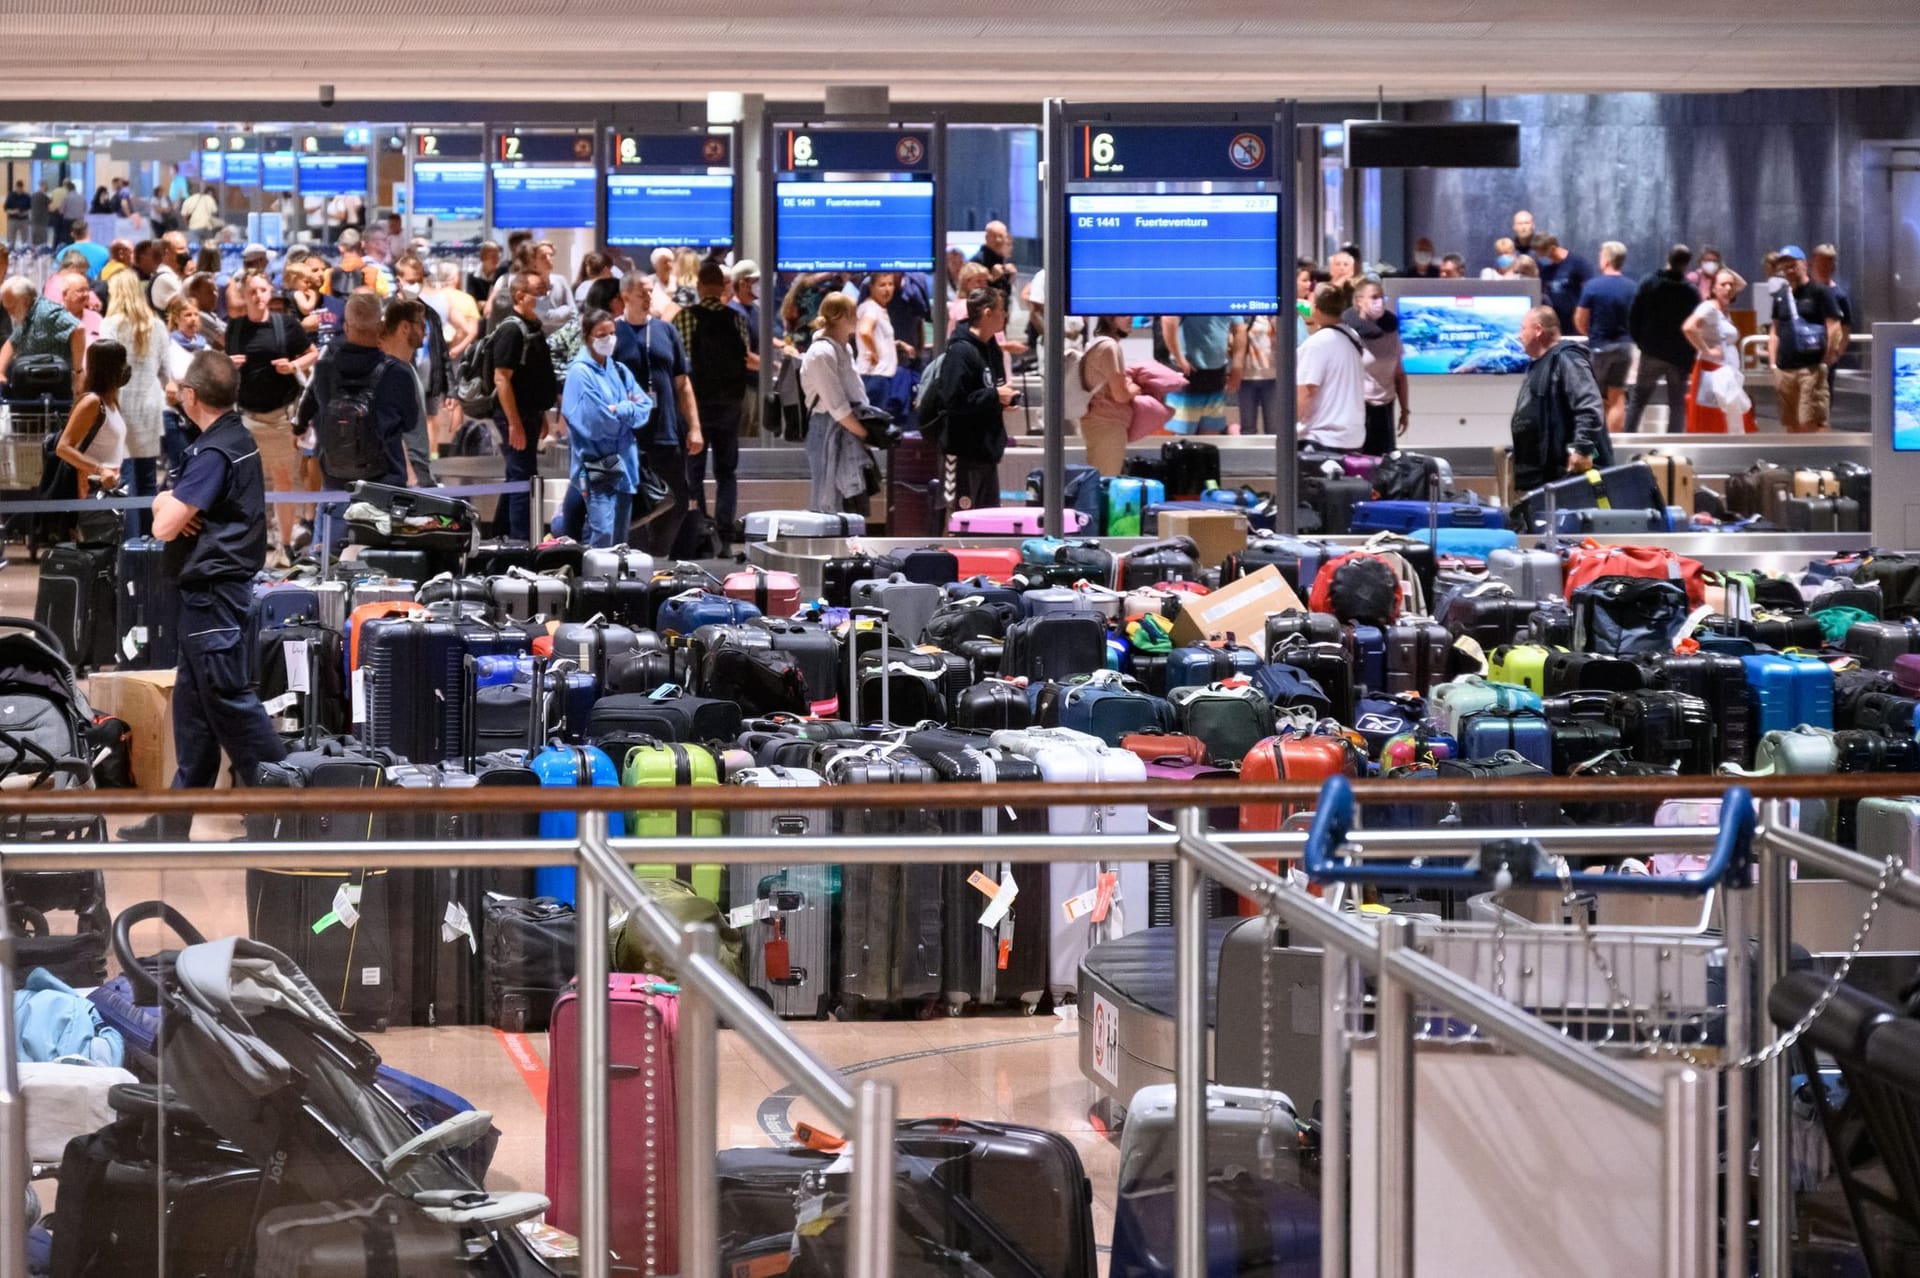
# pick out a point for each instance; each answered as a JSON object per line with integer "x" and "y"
{"x": 772, "y": 525}
{"x": 1887, "y": 825}
{"x": 613, "y": 562}
{"x": 1532, "y": 574}
{"x": 775, "y": 903}
{"x": 381, "y": 590}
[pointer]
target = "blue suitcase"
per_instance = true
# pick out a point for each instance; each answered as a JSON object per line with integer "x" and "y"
{"x": 566, "y": 765}
{"x": 1369, "y": 645}
{"x": 685, "y": 613}
{"x": 1082, "y": 491}
{"x": 1202, "y": 664}
{"x": 1525, "y": 732}
{"x": 1409, "y": 516}
{"x": 1786, "y": 691}
{"x": 1468, "y": 543}
{"x": 1128, "y": 500}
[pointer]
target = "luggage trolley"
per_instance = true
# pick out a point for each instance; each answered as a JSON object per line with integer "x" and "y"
{"x": 1629, "y": 965}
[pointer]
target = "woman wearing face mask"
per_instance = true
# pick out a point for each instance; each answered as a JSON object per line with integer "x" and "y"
{"x": 1379, "y": 331}
{"x": 1702, "y": 276}
{"x": 1711, "y": 330}
{"x": 603, "y": 406}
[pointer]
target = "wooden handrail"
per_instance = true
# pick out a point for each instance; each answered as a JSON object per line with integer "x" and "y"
{"x": 943, "y": 797}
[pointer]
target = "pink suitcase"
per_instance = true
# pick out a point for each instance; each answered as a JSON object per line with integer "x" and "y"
{"x": 643, "y": 1148}
{"x": 775, "y": 594}
{"x": 1010, "y": 521}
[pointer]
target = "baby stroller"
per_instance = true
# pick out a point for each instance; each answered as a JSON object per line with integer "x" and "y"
{"x": 251, "y": 1053}
{"x": 46, "y": 728}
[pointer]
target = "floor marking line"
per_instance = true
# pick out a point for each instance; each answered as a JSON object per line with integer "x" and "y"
{"x": 526, "y": 1061}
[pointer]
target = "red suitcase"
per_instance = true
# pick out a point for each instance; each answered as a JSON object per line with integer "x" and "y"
{"x": 1290, "y": 759}
{"x": 775, "y": 594}
{"x": 974, "y": 561}
{"x": 643, "y": 1148}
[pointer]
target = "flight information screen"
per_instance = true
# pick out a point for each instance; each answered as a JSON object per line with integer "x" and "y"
{"x": 1173, "y": 254}
{"x": 645, "y": 209}
{"x": 451, "y": 189}
{"x": 543, "y": 197}
{"x": 333, "y": 174}
{"x": 855, "y": 226}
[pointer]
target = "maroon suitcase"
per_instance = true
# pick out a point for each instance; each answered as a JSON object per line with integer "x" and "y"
{"x": 643, "y": 1167}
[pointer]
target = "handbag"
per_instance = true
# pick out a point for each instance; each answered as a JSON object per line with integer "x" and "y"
{"x": 602, "y": 474}
{"x": 1729, "y": 388}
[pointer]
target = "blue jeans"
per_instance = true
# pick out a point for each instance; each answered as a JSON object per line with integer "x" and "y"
{"x": 140, "y": 477}
{"x": 607, "y": 515}
{"x": 173, "y": 439}
{"x": 1257, "y": 407}
{"x": 515, "y": 512}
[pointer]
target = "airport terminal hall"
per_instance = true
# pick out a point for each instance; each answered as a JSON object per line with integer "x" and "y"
{"x": 832, "y": 640}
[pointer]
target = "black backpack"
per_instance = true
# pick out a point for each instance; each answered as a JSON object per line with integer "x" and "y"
{"x": 717, "y": 355}
{"x": 346, "y": 433}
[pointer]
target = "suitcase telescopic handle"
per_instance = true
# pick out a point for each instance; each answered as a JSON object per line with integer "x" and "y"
{"x": 146, "y": 991}
{"x": 1333, "y": 819}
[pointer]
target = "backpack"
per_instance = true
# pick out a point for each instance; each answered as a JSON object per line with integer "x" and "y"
{"x": 345, "y": 432}
{"x": 473, "y": 378}
{"x": 1358, "y": 587}
{"x": 717, "y": 356}
{"x": 930, "y": 401}
{"x": 1076, "y": 395}
{"x": 1803, "y": 342}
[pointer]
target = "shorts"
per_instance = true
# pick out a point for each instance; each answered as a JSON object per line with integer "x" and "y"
{"x": 1200, "y": 409}
{"x": 434, "y": 404}
{"x": 1610, "y": 365}
{"x": 273, "y": 436}
{"x": 1805, "y": 399}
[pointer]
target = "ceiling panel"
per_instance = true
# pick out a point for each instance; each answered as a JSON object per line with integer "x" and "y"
{"x": 986, "y": 50}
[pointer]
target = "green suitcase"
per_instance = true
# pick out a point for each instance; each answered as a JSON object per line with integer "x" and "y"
{"x": 671, "y": 763}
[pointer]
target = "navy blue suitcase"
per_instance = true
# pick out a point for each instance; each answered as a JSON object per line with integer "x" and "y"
{"x": 149, "y": 608}
{"x": 1202, "y": 664}
{"x": 1369, "y": 644}
{"x": 685, "y": 613}
{"x": 413, "y": 679}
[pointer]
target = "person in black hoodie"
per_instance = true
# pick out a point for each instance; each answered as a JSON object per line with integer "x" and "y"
{"x": 1660, "y": 306}
{"x": 1559, "y": 420}
{"x": 974, "y": 393}
{"x": 358, "y": 361}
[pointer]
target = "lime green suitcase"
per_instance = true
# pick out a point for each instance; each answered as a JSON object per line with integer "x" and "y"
{"x": 1524, "y": 664}
{"x": 671, "y": 763}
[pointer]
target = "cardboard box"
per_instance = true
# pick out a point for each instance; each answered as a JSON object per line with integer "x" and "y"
{"x": 1218, "y": 533}
{"x": 144, "y": 698}
{"x": 1240, "y": 609}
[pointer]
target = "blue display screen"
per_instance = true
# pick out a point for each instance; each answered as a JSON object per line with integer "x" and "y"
{"x": 543, "y": 197}
{"x": 1468, "y": 333}
{"x": 855, "y": 226}
{"x": 213, "y": 166}
{"x": 1906, "y": 399}
{"x": 648, "y": 209}
{"x": 333, "y": 175}
{"x": 451, "y": 189}
{"x": 1173, "y": 254}
{"x": 243, "y": 168}
{"x": 276, "y": 170}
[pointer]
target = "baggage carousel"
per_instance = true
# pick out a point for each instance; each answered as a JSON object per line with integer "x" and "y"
{"x": 1127, "y": 999}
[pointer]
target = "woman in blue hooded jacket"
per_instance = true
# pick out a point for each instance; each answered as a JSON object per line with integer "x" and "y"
{"x": 604, "y": 407}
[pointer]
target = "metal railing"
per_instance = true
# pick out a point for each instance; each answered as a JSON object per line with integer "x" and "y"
{"x": 1679, "y": 1104}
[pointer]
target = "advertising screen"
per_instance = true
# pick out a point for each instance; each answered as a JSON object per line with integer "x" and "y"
{"x": 450, "y": 189}
{"x": 1173, "y": 254}
{"x": 855, "y": 226}
{"x": 1906, "y": 399}
{"x": 1462, "y": 334}
{"x": 695, "y": 210}
{"x": 333, "y": 174}
{"x": 543, "y": 197}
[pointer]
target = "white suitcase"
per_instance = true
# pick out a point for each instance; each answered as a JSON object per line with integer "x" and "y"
{"x": 1066, "y": 757}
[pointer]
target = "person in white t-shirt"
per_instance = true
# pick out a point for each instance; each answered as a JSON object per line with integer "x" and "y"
{"x": 1330, "y": 378}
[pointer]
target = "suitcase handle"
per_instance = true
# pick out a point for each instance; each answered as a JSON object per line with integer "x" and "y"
{"x": 1333, "y": 818}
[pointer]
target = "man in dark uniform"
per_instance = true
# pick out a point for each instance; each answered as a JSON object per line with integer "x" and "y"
{"x": 214, "y": 521}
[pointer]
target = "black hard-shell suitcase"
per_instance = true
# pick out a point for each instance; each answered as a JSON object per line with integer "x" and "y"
{"x": 1056, "y": 646}
{"x": 1334, "y": 500}
{"x": 622, "y": 599}
{"x": 1551, "y": 625}
{"x": 992, "y": 705}
{"x": 1575, "y": 741}
{"x": 1419, "y": 651}
{"x": 892, "y": 916}
{"x": 973, "y": 970}
{"x": 1862, "y": 750}
{"x": 1499, "y": 813}
{"x": 1172, "y": 560}
{"x": 112, "y": 1195}
{"x": 1820, "y": 514}
{"x": 491, "y": 558}
{"x": 149, "y": 608}
{"x": 1880, "y": 643}
{"x": 1192, "y": 467}
{"x": 1666, "y": 728}
{"x": 528, "y": 960}
{"x": 1331, "y": 665}
{"x": 413, "y": 677}
{"x": 75, "y": 600}
{"x": 838, "y": 574}
{"x": 931, "y": 565}
{"x": 1490, "y": 620}
{"x": 1592, "y": 672}
{"x": 1720, "y": 680}
{"x": 645, "y": 669}
{"x": 1782, "y": 630}
{"x": 1318, "y": 627}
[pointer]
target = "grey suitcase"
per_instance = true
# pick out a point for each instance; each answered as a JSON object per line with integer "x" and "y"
{"x": 910, "y": 605}
{"x": 1881, "y": 643}
{"x": 1531, "y": 574}
{"x": 1294, "y": 1019}
{"x": 613, "y": 562}
{"x": 786, "y": 907}
{"x": 521, "y": 595}
{"x": 772, "y": 525}
{"x": 380, "y": 590}
{"x": 1888, "y": 824}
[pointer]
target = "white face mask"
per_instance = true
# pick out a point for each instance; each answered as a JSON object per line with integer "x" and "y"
{"x": 603, "y": 347}
{"x": 409, "y": 288}
{"x": 1373, "y": 307}
{"x": 1421, "y": 259}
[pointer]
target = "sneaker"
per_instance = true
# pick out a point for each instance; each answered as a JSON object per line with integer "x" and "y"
{"x": 302, "y": 536}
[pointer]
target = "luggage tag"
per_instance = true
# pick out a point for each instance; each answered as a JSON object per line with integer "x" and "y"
{"x": 776, "y": 957}
{"x": 456, "y": 924}
{"x": 1000, "y": 897}
{"x": 299, "y": 674}
{"x": 136, "y": 638}
{"x": 346, "y": 909}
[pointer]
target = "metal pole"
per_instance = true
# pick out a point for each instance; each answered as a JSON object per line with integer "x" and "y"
{"x": 13, "y": 1128}
{"x": 1688, "y": 1174}
{"x": 1286, "y": 458}
{"x": 1740, "y": 1018}
{"x": 591, "y": 909}
{"x": 1334, "y": 984}
{"x": 698, "y": 1084}
{"x": 1053, "y": 242}
{"x": 1394, "y": 1026}
{"x": 873, "y": 1124}
{"x": 1190, "y": 1054}
{"x": 1776, "y": 930}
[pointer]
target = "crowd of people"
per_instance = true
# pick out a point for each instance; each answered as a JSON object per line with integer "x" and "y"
{"x": 650, "y": 371}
